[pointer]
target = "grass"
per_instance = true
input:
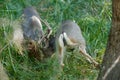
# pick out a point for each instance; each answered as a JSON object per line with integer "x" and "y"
{"x": 94, "y": 18}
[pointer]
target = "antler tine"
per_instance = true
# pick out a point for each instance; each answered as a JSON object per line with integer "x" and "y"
{"x": 40, "y": 40}
{"x": 47, "y": 34}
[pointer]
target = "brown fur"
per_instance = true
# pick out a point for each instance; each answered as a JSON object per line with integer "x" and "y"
{"x": 34, "y": 51}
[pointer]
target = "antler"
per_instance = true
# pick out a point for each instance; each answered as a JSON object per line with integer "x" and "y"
{"x": 47, "y": 34}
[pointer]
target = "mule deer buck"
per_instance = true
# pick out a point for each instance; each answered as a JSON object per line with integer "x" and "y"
{"x": 29, "y": 32}
{"x": 69, "y": 34}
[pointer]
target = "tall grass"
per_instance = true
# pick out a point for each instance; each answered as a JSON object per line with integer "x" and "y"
{"x": 94, "y": 18}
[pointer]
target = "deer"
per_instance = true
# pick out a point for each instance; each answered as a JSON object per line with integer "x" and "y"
{"x": 29, "y": 34}
{"x": 69, "y": 34}
{"x": 33, "y": 31}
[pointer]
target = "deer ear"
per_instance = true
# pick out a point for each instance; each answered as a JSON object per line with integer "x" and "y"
{"x": 35, "y": 21}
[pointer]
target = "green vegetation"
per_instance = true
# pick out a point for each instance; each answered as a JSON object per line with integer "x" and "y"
{"x": 94, "y": 18}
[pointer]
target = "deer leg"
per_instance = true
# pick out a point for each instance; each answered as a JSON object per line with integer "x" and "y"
{"x": 89, "y": 58}
{"x": 61, "y": 50}
{"x": 69, "y": 42}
